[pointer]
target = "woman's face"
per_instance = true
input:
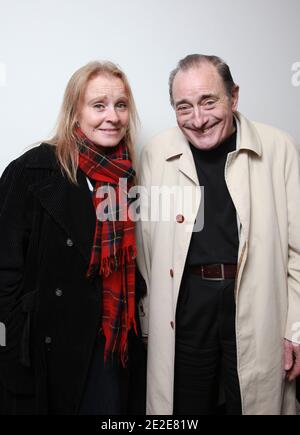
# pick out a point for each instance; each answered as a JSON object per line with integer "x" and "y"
{"x": 104, "y": 113}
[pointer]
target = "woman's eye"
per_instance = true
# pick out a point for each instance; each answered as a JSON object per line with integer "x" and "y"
{"x": 99, "y": 106}
{"x": 122, "y": 105}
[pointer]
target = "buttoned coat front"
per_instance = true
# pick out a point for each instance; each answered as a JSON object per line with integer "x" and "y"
{"x": 263, "y": 179}
{"x": 51, "y": 310}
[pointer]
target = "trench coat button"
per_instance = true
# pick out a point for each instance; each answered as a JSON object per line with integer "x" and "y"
{"x": 58, "y": 292}
{"x": 172, "y": 325}
{"x": 48, "y": 340}
{"x": 180, "y": 219}
{"x": 70, "y": 243}
{"x": 172, "y": 273}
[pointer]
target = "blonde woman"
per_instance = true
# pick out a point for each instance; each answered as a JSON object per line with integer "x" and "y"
{"x": 67, "y": 276}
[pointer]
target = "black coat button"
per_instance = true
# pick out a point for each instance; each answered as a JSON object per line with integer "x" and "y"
{"x": 70, "y": 243}
{"x": 58, "y": 292}
{"x": 48, "y": 340}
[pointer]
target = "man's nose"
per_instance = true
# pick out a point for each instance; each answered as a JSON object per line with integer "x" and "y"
{"x": 199, "y": 118}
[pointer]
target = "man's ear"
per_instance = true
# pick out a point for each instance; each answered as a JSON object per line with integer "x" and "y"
{"x": 235, "y": 97}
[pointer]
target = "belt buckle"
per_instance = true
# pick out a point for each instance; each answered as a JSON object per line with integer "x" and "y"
{"x": 214, "y": 279}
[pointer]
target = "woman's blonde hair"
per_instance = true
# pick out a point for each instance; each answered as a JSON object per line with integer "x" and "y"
{"x": 65, "y": 138}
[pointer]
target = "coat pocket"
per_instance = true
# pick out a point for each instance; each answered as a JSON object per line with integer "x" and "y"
{"x": 28, "y": 307}
{"x": 16, "y": 371}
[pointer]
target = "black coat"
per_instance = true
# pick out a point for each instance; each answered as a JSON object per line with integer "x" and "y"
{"x": 50, "y": 309}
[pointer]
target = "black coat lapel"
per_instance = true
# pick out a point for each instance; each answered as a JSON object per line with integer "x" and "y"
{"x": 70, "y": 206}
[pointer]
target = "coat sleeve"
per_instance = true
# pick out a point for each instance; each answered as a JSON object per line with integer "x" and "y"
{"x": 143, "y": 234}
{"x": 292, "y": 175}
{"x": 15, "y": 209}
{"x": 14, "y": 234}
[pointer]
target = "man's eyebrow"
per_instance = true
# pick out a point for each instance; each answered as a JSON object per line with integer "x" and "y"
{"x": 183, "y": 101}
{"x": 203, "y": 97}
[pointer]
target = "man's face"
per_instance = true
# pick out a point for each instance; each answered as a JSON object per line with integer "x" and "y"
{"x": 204, "y": 110}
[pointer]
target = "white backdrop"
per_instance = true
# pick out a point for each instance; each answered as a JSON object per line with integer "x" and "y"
{"x": 42, "y": 42}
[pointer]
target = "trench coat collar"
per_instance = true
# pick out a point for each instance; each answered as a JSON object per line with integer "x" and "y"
{"x": 68, "y": 204}
{"x": 179, "y": 148}
{"x": 247, "y": 136}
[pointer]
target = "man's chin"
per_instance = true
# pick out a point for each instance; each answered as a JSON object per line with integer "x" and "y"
{"x": 205, "y": 142}
{"x": 205, "y": 145}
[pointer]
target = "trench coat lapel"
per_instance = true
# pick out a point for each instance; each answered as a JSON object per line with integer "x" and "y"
{"x": 237, "y": 180}
{"x": 70, "y": 206}
{"x": 237, "y": 176}
{"x": 179, "y": 151}
{"x": 187, "y": 166}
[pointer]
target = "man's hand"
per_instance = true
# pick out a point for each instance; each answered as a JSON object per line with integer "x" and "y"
{"x": 291, "y": 359}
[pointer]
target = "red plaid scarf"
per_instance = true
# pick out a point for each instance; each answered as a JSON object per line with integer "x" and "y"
{"x": 114, "y": 248}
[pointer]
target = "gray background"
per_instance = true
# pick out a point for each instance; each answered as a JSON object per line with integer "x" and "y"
{"x": 42, "y": 42}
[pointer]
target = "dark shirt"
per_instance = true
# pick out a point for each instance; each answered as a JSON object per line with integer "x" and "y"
{"x": 218, "y": 241}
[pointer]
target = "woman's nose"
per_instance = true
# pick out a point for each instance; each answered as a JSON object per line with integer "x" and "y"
{"x": 112, "y": 115}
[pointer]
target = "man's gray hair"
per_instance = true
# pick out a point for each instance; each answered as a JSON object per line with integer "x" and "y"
{"x": 194, "y": 61}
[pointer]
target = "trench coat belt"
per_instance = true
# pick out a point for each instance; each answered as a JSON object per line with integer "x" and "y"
{"x": 214, "y": 272}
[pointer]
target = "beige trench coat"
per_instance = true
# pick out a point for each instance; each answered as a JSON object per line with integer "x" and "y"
{"x": 263, "y": 179}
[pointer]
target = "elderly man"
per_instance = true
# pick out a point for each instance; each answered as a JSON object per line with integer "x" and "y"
{"x": 223, "y": 305}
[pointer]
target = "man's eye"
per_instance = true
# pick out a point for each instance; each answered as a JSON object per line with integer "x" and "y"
{"x": 183, "y": 108}
{"x": 210, "y": 103}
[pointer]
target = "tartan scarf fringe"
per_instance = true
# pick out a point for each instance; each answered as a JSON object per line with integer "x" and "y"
{"x": 122, "y": 349}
